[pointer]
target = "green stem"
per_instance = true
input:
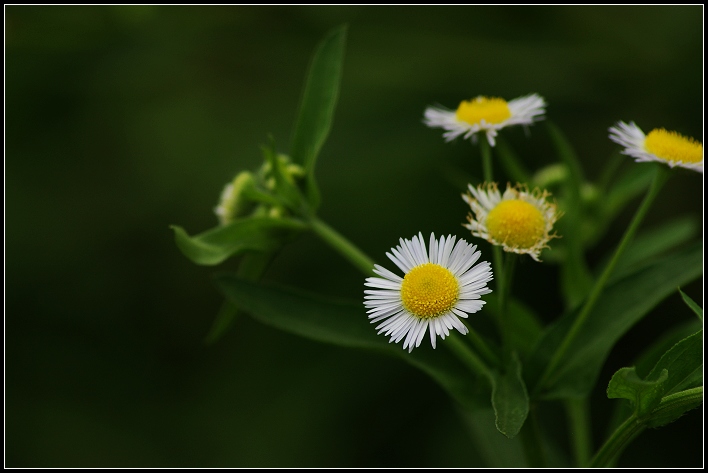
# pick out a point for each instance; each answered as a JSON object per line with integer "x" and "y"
{"x": 486, "y": 152}
{"x": 579, "y": 430}
{"x": 504, "y": 291}
{"x": 620, "y": 438}
{"x": 343, "y": 246}
{"x": 670, "y": 408}
{"x": 468, "y": 357}
{"x": 498, "y": 272}
{"x": 480, "y": 345}
{"x": 659, "y": 179}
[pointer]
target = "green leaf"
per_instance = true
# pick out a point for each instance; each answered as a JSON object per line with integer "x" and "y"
{"x": 248, "y": 234}
{"x": 510, "y": 399}
{"x": 496, "y": 450}
{"x": 646, "y": 361}
{"x": 346, "y": 325}
{"x": 631, "y": 184}
{"x": 621, "y": 305}
{"x": 684, "y": 362}
{"x": 644, "y": 395}
{"x": 576, "y": 279}
{"x": 674, "y": 385}
{"x": 251, "y": 267}
{"x": 692, "y": 304}
{"x": 652, "y": 243}
{"x": 675, "y": 405}
{"x": 317, "y": 105}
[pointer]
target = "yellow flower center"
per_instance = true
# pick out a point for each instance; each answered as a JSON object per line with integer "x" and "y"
{"x": 516, "y": 223}
{"x": 672, "y": 146}
{"x": 491, "y": 110}
{"x": 429, "y": 290}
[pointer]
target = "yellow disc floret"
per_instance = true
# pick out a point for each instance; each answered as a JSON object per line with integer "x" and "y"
{"x": 492, "y": 110}
{"x": 516, "y": 223}
{"x": 672, "y": 146}
{"x": 429, "y": 290}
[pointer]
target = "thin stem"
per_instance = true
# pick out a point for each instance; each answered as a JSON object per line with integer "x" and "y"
{"x": 668, "y": 409}
{"x": 579, "y": 430}
{"x": 468, "y": 357}
{"x": 659, "y": 179}
{"x": 486, "y": 152}
{"x": 504, "y": 291}
{"x": 620, "y": 438}
{"x": 498, "y": 273}
{"x": 343, "y": 246}
{"x": 482, "y": 347}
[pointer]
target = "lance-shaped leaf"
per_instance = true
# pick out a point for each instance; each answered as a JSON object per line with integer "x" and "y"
{"x": 346, "y": 324}
{"x": 692, "y": 305}
{"x": 510, "y": 398}
{"x": 317, "y": 105}
{"x": 684, "y": 362}
{"x": 248, "y": 234}
{"x": 620, "y": 306}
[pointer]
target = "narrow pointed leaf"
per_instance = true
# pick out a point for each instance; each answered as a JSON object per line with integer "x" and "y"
{"x": 692, "y": 304}
{"x": 620, "y": 306}
{"x": 317, "y": 106}
{"x": 249, "y": 234}
{"x": 346, "y": 325}
{"x": 684, "y": 362}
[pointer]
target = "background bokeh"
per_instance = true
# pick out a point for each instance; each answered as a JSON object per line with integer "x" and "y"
{"x": 122, "y": 120}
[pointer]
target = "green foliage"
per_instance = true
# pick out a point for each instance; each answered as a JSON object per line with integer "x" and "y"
{"x": 620, "y": 307}
{"x": 560, "y": 360}
{"x": 692, "y": 305}
{"x": 248, "y": 234}
{"x": 319, "y": 99}
{"x": 344, "y": 324}
{"x": 510, "y": 399}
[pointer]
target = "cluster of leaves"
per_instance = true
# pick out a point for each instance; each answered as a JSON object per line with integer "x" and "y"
{"x": 283, "y": 198}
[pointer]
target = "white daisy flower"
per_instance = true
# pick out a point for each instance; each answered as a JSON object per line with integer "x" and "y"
{"x": 660, "y": 145}
{"x": 520, "y": 221}
{"x": 487, "y": 114}
{"x": 438, "y": 287}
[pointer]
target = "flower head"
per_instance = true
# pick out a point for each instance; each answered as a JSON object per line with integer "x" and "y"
{"x": 487, "y": 114}
{"x": 232, "y": 203}
{"x": 439, "y": 286}
{"x": 520, "y": 221}
{"x": 660, "y": 145}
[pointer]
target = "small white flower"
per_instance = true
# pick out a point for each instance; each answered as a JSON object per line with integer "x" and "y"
{"x": 668, "y": 147}
{"x": 483, "y": 114}
{"x": 438, "y": 287}
{"x": 520, "y": 221}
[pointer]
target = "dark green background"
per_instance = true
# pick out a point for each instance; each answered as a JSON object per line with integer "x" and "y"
{"x": 123, "y": 120}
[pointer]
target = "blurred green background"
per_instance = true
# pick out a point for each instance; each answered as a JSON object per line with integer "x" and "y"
{"x": 122, "y": 120}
